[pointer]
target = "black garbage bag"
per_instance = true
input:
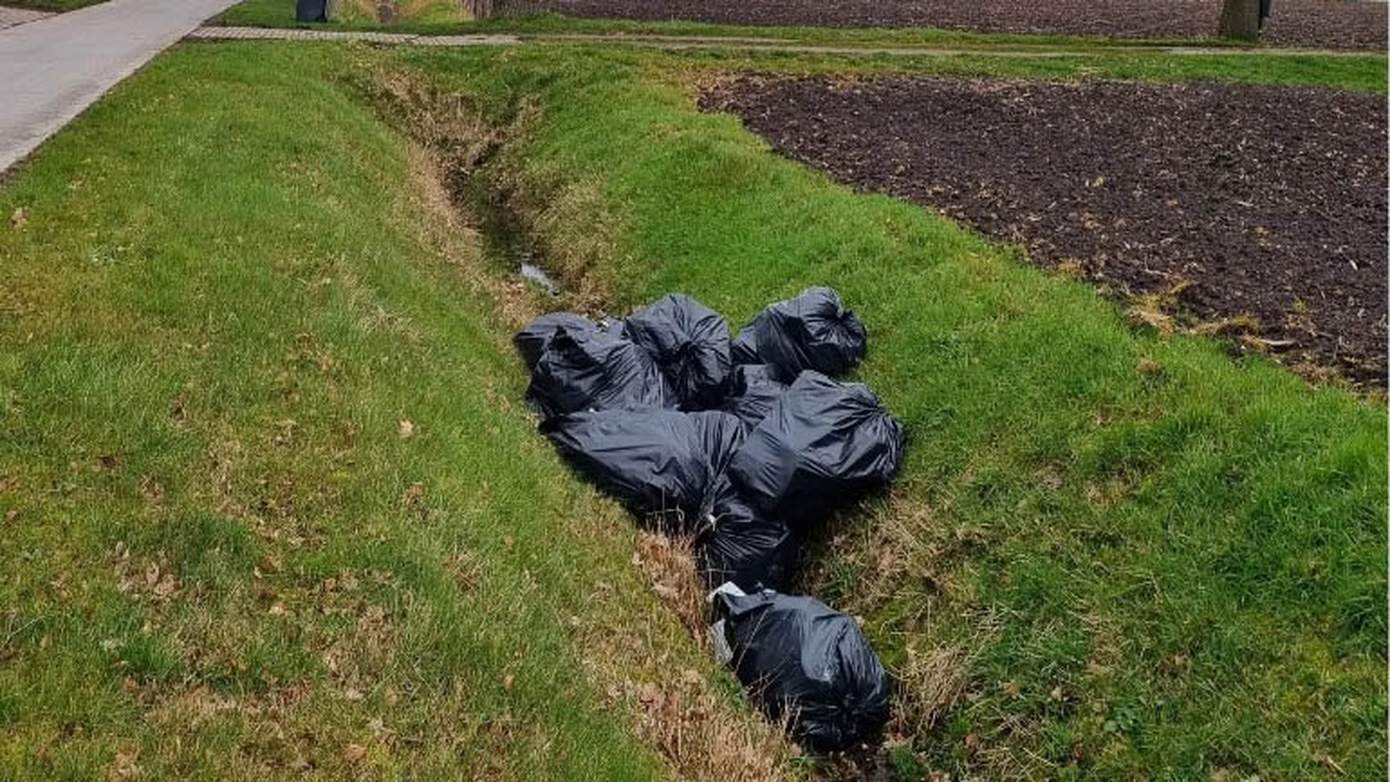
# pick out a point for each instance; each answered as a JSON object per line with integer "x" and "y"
{"x": 823, "y": 444}
{"x": 311, "y": 10}
{"x": 802, "y": 660}
{"x": 666, "y": 466}
{"x": 690, "y": 343}
{"x": 530, "y": 342}
{"x": 811, "y": 331}
{"x": 593, "y": 370}
{"x": 752, "y": 392}
{"x": 740, "y": 545}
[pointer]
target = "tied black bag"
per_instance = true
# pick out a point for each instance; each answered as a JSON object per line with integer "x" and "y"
{"x": 800, "y": 659}
{"x": 811, "y": 331}
{"x": 593, "y": 370}
{"x": 690, "y": 342}
{"x": 823, "y": 444}
{"x": 665, "y": 465}
{"x": 752, "y": 393}
{"x": 532, "y": 340}
{"x": 743, "y": 546}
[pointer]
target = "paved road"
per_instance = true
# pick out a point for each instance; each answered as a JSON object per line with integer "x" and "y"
{"x": 53, "y": 68}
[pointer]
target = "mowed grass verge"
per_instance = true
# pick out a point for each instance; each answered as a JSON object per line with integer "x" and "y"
{"x": 270, "y": 502}
{"x": 1112, "y": 554}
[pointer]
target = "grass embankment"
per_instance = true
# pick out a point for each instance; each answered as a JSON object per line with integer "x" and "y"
{"x": 270, "y": 503}
{"x": 1112, "y": 553}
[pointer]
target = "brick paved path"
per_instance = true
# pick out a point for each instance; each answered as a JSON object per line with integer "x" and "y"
{"x": 13, "y": 17}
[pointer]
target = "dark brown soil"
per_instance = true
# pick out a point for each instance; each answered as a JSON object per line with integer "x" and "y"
{"x": 1238, "y": 201}
{"x": 1338, "y": 24}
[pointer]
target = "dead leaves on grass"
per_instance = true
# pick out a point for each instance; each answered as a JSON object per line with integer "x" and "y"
{"x": 148, "y": 577}
{"x": 701, "y": 735}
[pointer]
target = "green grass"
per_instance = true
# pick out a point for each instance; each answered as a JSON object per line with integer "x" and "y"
{"x": 362, "y": 14}
{"x": 221, "y": 558}
{"x": 1143, "y": 559}
{"x": 1133, "y": 555}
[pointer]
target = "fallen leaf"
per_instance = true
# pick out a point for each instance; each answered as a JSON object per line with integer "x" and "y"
{"x": 166, "y": 586}
{"x": 10, "y": 516}
{"x": 19, "y": 218}
{"x": 507, "y": 681}
{"x": 1056, "y": 694}
{"x": 278, "y": 609}
{"x": 407, "y": 429}
{"x": 354, "y": 753}
{"x": 153, "y": 490}
{"x": 124, "y": 767}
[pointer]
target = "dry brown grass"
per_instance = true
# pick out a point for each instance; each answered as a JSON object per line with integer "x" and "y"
{"x": 456, "y": 238}
{"x": 568, "y": 223}
{"x": 703, "y": 734}
{"x": 669, "y": 566}
{"x": 932, "y": 683}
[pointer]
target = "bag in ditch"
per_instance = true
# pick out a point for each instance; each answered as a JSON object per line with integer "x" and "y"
{"x": 584, "y": 369}
{"x": 531, "y": 341}
{"x": 752, "y": 393}
{"x": 802, "y": 661}
{"x": 743, "y": 546}
{"x": 812, "y": 331}
{"x": 690, "y": 342}
{"x": 666, "y": 466}
{"x": 823, "y": 444}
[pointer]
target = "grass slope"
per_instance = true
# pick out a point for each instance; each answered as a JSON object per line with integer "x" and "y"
{"x": 222, "y": 557}
{"x": 1112, "y": 554}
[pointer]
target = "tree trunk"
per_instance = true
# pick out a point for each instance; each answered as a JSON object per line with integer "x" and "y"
{"x": 1240, "y": 19}
{"x": 482, "y": 9}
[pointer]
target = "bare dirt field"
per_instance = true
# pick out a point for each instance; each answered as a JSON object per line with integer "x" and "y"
{"x": 1335, "y": 24}
{"x": 1259, "y": 211}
